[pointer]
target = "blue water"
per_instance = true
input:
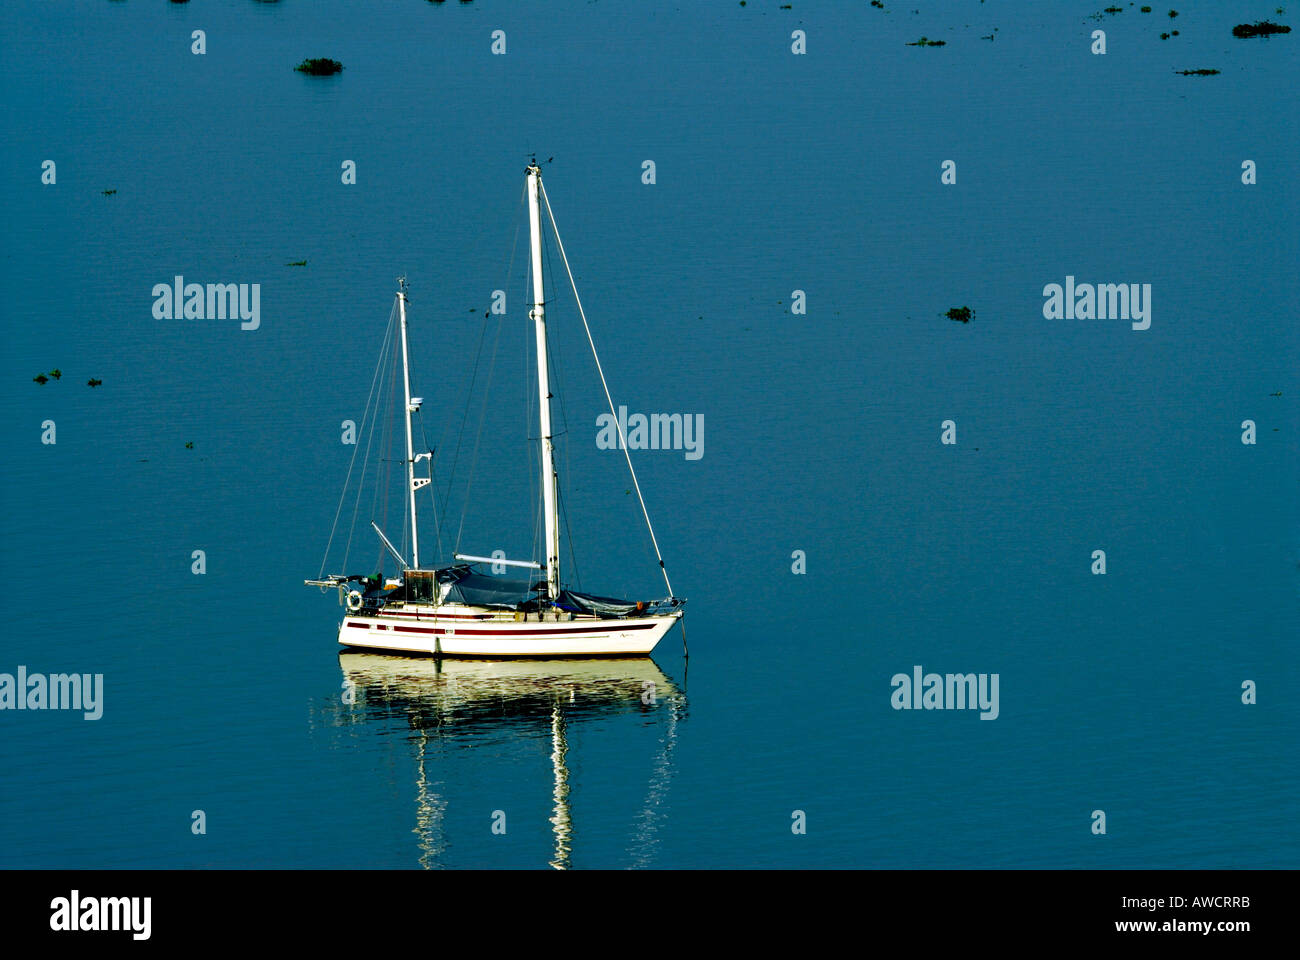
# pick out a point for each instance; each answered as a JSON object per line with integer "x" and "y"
{"x": 774, "y": 173}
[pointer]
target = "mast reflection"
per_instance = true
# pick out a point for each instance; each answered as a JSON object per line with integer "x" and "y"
{"x": 446, "y": 700}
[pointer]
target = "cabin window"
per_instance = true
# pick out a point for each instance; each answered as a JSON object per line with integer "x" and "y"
{"x": 420, "y": 585}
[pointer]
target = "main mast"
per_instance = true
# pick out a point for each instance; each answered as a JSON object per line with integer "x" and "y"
{"x": 410, "y": 449}
{"x": 538, "y": 313}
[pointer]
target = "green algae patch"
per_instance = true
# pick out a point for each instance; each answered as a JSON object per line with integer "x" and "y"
{"x": 319, "y": 67}
{"x": 1263, "y": 28}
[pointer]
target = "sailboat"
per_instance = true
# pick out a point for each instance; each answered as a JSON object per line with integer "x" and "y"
{"x": 461, "y": 609}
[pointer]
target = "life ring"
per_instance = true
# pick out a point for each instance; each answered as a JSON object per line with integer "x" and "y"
{"x": 355, "y": 600}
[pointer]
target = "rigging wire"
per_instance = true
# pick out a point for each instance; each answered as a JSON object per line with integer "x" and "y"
{"x": 386, "y": 447}
{"x": 553, "y": 362}
{"x": 479, "y": 436}
{"x": 469, "y": 484}
{"x": 356, "y": 447}
{"x": 568, "y": 536}
{"x": 370, "y": 431}
{"x": 623, "y": 439}
{"x": 469, "y": 396}
{"x": 365, "y": 468}
{"x": 437, "y": 526}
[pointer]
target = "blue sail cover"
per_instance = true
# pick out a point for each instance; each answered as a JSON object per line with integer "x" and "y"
{"x": 464, "y": 586}
{"x": 589, "y": 603}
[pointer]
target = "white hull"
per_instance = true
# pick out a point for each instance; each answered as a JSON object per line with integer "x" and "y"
{"x": 486, "y": 636}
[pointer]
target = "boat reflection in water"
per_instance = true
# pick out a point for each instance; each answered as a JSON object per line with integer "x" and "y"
{"x": 447, "y": 700}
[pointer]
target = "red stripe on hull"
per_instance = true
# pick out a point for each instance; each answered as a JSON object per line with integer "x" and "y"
{"x": 559, "y": 632}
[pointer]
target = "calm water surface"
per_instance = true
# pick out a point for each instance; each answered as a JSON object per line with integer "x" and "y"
{"x": 774, "y": 173}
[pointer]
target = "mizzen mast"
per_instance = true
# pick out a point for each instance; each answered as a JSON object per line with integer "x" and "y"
{"x": 413, "y": 482}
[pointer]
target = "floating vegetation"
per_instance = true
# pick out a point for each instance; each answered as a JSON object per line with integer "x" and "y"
{"x": 190, "y": 445}
{"x": 960, "y": 314}
{"x": 1196, "y": 73}
{"x": 92, "y": 382}
{"x": 1146, "y": 9}
{"x": 1164, "y": 36}
{"x": 787, "y": 6}
{"x": 1278, "y": 394}
{"x": 1172, "y": 14}
{"x": 923, "y": 42}
{"x": 56, "y": 373}
{"x": 877, "y": 4}
{"x": 297, "y": 263}
{"x": 108, "y": 193}
{"x": 319, "y": 66}
{"x": 1262, "y": 28}
{"x": 1113, "y": 10}
{"x": 41, "y": 378}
